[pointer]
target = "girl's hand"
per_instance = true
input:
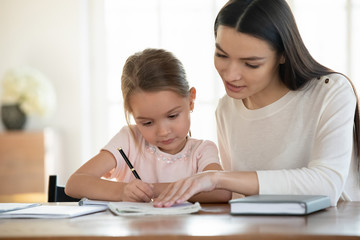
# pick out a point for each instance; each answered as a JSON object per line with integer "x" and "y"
{"x": 137, "y": 191}
{"x": 182, "y": 190}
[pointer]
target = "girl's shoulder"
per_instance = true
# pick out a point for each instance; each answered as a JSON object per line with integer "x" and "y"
{"x": 128, "y": 136}
{"x": 200, "y": 145}
{"x": 131, "y": 131}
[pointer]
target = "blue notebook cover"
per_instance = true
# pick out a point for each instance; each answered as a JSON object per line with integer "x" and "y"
{"x": 279, "y": 204}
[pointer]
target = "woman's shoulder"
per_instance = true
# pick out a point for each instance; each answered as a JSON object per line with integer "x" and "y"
{"x": 227, "y": 103}
{"x": 333, "y": 80}
{"x": 223, "y": 100}
{"x": 329, "y": 85}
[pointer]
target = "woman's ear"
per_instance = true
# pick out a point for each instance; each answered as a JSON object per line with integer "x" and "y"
{"x": 282, "y": 59}
{"x": 192, "y": 97}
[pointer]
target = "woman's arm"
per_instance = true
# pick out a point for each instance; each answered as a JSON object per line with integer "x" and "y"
{"x": 190, "y": 189}
{"x": 87, "y": 182}
{"x": 214, "y": 195}
{"x": 208, "y": 182}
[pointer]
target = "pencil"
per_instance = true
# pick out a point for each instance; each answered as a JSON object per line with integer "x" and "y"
{"x": 129, "y": 163}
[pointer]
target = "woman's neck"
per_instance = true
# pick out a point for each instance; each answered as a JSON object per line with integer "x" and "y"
{"x": 264, "y": 99}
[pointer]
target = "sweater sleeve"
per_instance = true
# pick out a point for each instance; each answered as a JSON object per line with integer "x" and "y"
{"x": 328, "y": 167}
{"x": 222, "y": 140}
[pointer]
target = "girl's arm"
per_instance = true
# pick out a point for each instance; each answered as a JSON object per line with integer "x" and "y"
{"x": 87, "y": 182}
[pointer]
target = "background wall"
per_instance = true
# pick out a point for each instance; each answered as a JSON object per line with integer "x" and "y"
{"x": 52, "y": 36}
{"x": 65, "y": 40}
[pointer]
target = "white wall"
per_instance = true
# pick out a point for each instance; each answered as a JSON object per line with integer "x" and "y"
{"x": 55, "y": 37}
{"x": 52, "y": 36}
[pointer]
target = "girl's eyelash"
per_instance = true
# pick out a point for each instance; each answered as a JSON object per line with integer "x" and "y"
{"x": 146, "y": 124}
{"x": 252, "y": 66}
{"x": 172, "y": 116}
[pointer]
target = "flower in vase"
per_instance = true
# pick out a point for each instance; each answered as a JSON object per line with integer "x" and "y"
{"x": 30, "y": 89}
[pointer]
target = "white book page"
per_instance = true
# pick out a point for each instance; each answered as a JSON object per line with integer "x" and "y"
{"x": 6, "y": 207}
{"x": 140, "y": 208}
{"x": 53, "y": 211}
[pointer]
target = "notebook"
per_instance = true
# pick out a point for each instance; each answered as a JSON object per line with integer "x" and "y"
{"x": 279, "y": 204}
{"x": 53, "y": 211}
{"x": 86, "y": 201}
{"x": 141, "y": 208}
{"x": 6, "y": 207}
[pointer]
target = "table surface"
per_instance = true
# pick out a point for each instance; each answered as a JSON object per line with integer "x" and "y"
{"x": 214, "y": 222}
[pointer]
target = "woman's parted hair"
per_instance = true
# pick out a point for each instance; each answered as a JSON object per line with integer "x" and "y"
{"x": 152, "y": 70}
{"x": 273, "y": 21}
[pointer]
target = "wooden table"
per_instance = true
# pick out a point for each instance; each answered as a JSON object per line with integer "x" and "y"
{"x": 215, "y": 222}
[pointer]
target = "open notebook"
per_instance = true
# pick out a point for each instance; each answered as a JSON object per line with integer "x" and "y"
{"x": 141, "y": 208}
{"x": 7, "y": 207}
{"x": 86, "y": 206}
{"x": 53, "y": 211}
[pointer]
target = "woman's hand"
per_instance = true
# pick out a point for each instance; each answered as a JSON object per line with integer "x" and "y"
{"x": 182, "y": 190}
{"x": 137, "y": 191}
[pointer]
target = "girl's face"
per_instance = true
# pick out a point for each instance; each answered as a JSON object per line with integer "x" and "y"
{"x": 163, "y": 118}
{"x": 249, "y": 68}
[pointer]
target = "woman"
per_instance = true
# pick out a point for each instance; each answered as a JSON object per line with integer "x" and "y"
{"x": 287, "y": 125}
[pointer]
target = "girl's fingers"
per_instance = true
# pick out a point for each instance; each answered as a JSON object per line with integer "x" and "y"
{"x": 145, "y": 192}
{"x": 138, "y": 191}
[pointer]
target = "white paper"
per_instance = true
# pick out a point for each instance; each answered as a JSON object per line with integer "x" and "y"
{"x": 141, "y": 208}
{"x": 6, "y": 207}
{"x": 53, "y": 211}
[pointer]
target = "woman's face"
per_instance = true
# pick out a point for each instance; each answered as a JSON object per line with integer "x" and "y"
{"x": 248, "y": 66}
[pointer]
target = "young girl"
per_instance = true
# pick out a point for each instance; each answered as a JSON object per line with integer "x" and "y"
{"x": 287, "y": 123}
{"x": 157, "y": 95}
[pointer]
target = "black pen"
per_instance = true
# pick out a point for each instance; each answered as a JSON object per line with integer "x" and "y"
{"x": 130, "y": 166}
{"x": 129, "y": 163}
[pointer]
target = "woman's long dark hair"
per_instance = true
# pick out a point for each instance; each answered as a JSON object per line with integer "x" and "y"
{"x": 273, "y": 21}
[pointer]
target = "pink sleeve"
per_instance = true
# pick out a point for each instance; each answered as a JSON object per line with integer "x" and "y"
{"x": 122, "y": 140}
{"x": 206, "y": 154}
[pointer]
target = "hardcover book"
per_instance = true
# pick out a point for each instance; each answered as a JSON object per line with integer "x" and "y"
{"x": 279, "y": 204}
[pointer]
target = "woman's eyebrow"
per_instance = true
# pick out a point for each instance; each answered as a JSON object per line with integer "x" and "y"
{"x": 251, "y": 58}
{"x": 219, "y": 48}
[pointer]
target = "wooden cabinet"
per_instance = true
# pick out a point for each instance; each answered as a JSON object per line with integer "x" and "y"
{"x": 23, "y": 163}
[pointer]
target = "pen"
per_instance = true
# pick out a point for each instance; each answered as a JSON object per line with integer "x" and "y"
{"x": 130, "y": 166}
{"x": 129, "y": 163}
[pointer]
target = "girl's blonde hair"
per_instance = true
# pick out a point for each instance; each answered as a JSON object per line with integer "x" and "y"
{"x": 152, "y": 70}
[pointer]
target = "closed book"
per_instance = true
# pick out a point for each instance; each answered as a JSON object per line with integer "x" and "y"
{"x": 279, "y": 204}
